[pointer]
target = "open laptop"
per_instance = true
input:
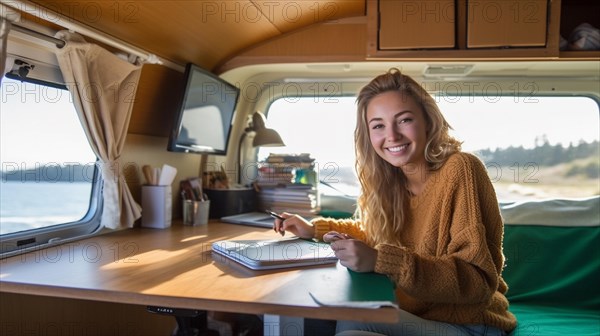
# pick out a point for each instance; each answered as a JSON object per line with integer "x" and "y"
{"x": 275, "y": 253}
{"x": 261, "y": 219}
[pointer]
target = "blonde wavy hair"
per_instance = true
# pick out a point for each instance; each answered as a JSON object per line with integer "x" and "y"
{"x": 384, "y": 196}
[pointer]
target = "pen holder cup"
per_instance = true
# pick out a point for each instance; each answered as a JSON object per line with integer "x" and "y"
{"x": 156, "y": 206}
{"x": 195, "y": 212}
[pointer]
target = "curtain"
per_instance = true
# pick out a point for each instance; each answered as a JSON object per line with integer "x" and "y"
{"x": 103, "y": 87}
{"x": 4, "y": 29}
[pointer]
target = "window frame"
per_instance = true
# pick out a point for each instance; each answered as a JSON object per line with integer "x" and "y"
{"x": 16, "y": 242}
{"x": 19, "y": 242}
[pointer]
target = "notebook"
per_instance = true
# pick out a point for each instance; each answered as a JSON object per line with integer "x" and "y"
{"x": 276, "y": 253}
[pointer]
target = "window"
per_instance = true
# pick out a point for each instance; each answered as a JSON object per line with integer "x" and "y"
{"x": 325, "y": 129}
{"x": 538, "y": 148}
{"x": 48, "y": 173}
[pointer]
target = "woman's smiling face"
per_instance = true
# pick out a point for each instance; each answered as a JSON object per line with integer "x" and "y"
{"x": 397, "y": 129}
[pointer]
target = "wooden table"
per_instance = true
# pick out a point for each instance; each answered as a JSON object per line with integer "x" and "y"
{"x": 175, "y": 268}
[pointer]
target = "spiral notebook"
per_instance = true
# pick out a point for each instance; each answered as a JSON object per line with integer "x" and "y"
{"x": 276, "y": 253}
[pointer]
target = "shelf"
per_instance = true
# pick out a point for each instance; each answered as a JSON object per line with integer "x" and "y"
{"x": 572, "y": 14}
{"x": 561, "y": 16}
{"x": 580, "y": 55}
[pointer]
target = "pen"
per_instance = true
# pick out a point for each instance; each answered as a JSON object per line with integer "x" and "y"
{"x": 274, "y": 215}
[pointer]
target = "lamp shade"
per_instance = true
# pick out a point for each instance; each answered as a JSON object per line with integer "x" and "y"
{"x": 267, "y": 137}
{"x": 264, "y": 137}
{"x": 258, "y": 121}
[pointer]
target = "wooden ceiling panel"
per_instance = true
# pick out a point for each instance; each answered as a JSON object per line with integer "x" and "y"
{"x": 291, "y": 15}
{"x": 200, "y": 31}
{"x": 182, "y": 31}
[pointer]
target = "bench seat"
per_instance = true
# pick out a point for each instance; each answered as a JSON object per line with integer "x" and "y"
{"x": 552, "y": 251}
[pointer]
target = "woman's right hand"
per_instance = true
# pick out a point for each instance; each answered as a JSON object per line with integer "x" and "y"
{"x": 332, "y": 236}
{"x": 294, "y": 224}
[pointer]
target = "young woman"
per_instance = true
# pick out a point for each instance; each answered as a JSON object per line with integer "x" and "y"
{"x": 428, "y": 218}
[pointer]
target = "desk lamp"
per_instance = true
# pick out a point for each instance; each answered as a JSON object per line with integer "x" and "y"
{"x": 264, "y": 137}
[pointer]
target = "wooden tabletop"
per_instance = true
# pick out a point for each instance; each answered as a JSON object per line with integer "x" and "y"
{"x": 175, "y": 268}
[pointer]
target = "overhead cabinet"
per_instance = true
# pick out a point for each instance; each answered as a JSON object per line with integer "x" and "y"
{"x": 482, "y": 29}
{"x": 577, "y": 40}
{"x": 476, "y": 29}
{"x": 507, "y": 23}
{"x": 447, "y": 24}
{"x": 416, "y": 24}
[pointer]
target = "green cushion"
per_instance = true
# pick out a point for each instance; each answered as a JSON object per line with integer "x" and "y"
{"x": 553, "y": 275}
{"x": 335, "y": 214}
{"x": 548, "y": 321}
{"x": 548, "y": 265}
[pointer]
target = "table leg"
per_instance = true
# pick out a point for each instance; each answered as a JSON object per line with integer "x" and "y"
{"x": 277, "y": 325}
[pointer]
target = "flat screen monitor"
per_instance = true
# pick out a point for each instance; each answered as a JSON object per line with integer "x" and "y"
{"x": 203, "y": 122}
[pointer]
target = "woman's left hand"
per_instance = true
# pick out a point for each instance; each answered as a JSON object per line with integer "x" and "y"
{"x": 355, "y": 254}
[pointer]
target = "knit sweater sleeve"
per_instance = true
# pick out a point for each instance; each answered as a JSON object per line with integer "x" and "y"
{"x": 468, "y": 259}
{"x": 349, "y": 226}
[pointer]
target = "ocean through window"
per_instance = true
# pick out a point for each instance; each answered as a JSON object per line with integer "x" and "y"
{"x": 47, "y": 165}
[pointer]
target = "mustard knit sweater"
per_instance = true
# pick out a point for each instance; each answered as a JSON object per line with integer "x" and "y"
{"x": 448, "y": 264}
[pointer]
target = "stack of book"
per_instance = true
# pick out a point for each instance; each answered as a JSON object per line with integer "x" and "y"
{"x": 300, "y": 199}
{"x": 288, "y": 183}
{"x": 273, "y": 175}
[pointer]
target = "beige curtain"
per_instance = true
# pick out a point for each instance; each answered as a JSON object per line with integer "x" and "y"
{"x": 103, "y": 88}
{"x": 4, "y": 29}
